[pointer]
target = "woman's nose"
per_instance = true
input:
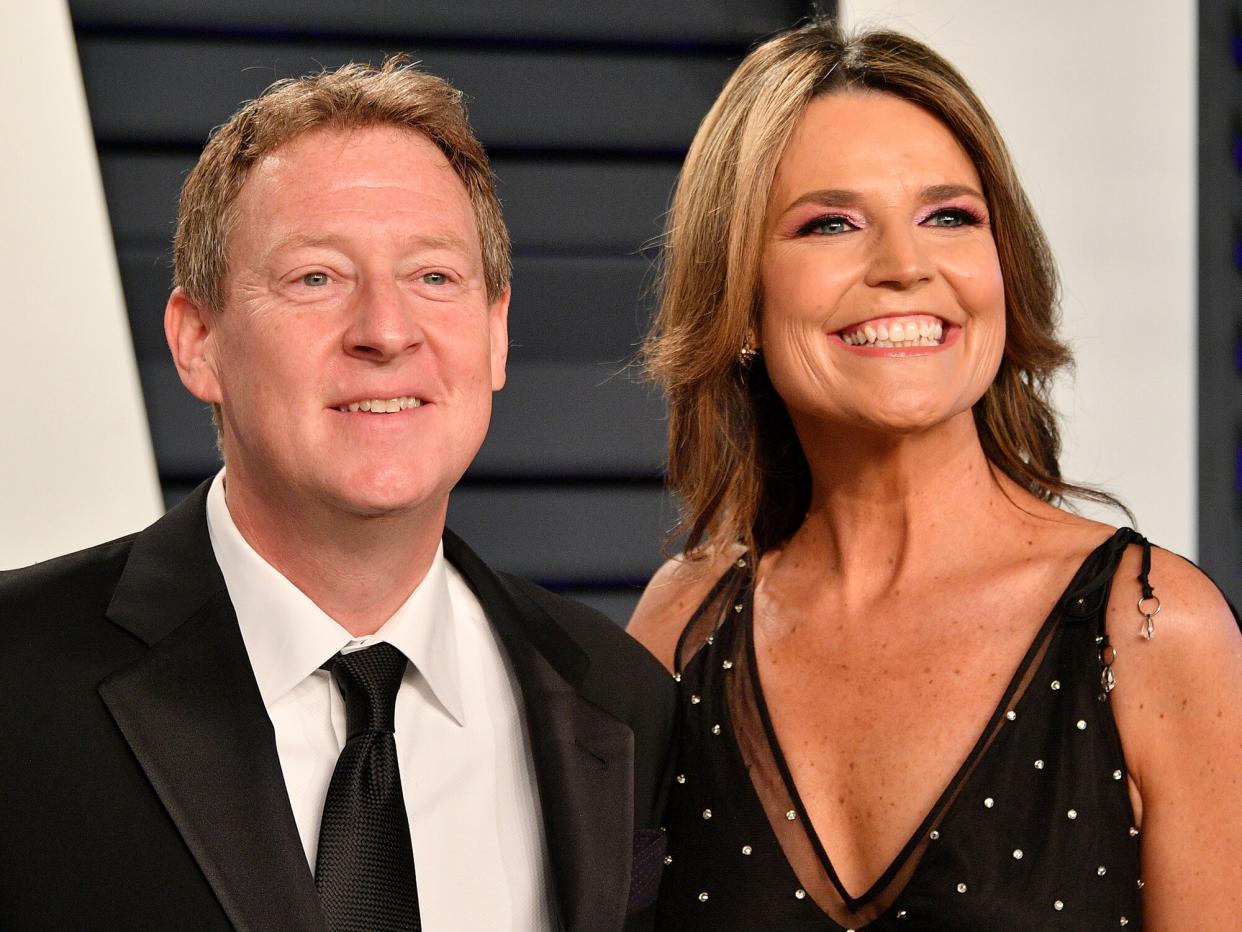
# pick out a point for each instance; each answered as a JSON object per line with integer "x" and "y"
{"x": 898, "y": 259}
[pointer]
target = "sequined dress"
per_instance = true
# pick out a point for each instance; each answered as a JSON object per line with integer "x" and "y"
{"x": 1035, "y": 831}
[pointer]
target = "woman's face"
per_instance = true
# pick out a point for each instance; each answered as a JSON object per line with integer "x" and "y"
{"x": 883, "y": 304}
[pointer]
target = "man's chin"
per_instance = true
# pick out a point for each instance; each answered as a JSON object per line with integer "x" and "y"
{"x": 389, "y": 497}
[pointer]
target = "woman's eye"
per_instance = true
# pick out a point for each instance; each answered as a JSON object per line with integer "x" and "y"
{"x": 951, "y": 217}
{"x": 826, "y": 226}
{"x": 315, "y": 279}
{"x": 435, "y": 278}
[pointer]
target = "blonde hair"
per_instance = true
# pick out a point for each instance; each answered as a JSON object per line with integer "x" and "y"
{"x": 351, "y": 97}
{"x": 733, "y": 455}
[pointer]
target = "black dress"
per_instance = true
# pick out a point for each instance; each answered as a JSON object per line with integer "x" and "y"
{"x": 1035, "y": 831}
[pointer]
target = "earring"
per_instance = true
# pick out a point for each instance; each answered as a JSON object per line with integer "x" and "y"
{"x": 746, "y": 355}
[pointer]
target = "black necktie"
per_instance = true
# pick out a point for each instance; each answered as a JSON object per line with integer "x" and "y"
{"x": 365, "y": 868}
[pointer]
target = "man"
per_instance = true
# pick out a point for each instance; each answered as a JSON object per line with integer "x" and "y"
{"x": 297, "y": 701}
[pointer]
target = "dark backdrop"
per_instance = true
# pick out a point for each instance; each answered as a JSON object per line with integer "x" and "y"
{"x": 586, "y": 110}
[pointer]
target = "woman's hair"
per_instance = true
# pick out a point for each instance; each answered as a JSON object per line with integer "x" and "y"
{"x": 733, "y": 455}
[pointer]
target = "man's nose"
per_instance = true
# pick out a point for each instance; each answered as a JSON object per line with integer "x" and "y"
{"x": 898, "y": 259}
{"x": 384, "y": 322}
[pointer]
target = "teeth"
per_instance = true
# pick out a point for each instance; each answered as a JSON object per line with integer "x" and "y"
{"x": 895, "y": 333}
{"x": 382, "y": 405}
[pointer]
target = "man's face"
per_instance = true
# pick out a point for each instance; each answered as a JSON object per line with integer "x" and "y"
{"x": 355, "y": 282}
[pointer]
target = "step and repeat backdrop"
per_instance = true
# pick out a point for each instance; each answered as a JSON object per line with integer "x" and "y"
{"x": 587, "y": 110}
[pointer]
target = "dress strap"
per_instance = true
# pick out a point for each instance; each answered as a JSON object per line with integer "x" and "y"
{"x": 1087, "y": 596}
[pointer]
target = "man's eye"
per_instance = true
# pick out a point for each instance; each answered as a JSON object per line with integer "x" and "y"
{"x": 315, "y": 279}
{"x": 826, "y": 226}
{"x": 435, "y": 278}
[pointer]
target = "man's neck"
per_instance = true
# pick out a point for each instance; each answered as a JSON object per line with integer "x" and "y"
{"x": 358, "y": 569}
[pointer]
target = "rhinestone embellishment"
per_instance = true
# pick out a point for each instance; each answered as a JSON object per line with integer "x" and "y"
{"x": 703, "y": 897}
{"x": 747, "y": 849}
{"x": 1072, "y": 814}
{"x": 695, "y": 700}
{"x": 961, "y": 888}
{"x": 707, "y": 813}
{"x": 1116, "y": 774}
{"x": 1017, "y": 854}
{"x": 715, "y": 729}
{"x": 1133, "y": 831}
{"x": 791, "y": 815}
{"x": 728, "y": 664}
{"x": 934, "y": 834}
{"x": 989, "y": 802}
{"x": 1039, "y": 765}
{"x": 1056, "y": 684}
{"x": 1082, "y": 725}
{"x": 1101, "y": 870}
{"x": 681, "y": 778}
{"x": 737, "y": 607}
{"x": 668, "y": 859}
{"x": 1058, "y": 905}
{"x": 800, "y": 893}
{"x": 1011, "y": 715}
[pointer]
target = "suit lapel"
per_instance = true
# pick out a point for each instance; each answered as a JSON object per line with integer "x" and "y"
{"x": 193, "y": 717}
{"x": 584, "y": 757}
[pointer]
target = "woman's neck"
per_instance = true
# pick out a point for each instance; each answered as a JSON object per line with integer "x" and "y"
{"x": 885, "y": 507}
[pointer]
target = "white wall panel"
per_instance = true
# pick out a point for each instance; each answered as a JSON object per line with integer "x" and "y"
{"x": 75, "y": 455}
{"x": 1097, "y": 102}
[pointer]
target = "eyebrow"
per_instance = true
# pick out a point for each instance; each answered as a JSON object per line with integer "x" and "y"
{"x": 448, "y": 241}
{"x": 842, "y": 197}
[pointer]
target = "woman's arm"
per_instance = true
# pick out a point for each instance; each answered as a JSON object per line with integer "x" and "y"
{"x": 1178, "y": 706}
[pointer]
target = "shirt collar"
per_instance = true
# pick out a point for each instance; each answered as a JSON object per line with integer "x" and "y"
{"x": 288, "y": 637}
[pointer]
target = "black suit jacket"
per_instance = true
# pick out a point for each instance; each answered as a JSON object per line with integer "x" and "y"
{"x": 139, "y": 779}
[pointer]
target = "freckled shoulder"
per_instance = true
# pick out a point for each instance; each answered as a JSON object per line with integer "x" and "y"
{"x": 1196, "y": 636}
{"x": 671, "y": 597}
{"x": 1178, "y": 708}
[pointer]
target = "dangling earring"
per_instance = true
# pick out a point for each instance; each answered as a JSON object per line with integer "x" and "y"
{"x": 746, "y": 355}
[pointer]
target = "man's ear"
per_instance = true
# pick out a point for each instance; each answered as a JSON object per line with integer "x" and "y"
{"x": 190, "y": 331}
{"x": 498, "y": 328}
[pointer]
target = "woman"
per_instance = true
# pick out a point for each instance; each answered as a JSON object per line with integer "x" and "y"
{"x": 896, "y": 651}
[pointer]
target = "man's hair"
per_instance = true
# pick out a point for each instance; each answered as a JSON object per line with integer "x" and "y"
{"x": 734, "y": 457}
{"x": 353, "y": 96}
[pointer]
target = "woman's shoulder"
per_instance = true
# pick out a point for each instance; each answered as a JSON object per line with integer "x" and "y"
{"x": 1178, "y": 708}
{"x": 1195, "y": 636}
{"x": 673, "y": 595}
{"x": 1192, "y": 623}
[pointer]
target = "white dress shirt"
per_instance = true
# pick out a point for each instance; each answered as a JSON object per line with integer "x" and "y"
{"x": 466, "y": 768}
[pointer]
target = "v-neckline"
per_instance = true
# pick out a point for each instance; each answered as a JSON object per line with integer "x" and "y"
{"x": 944, "y": 803}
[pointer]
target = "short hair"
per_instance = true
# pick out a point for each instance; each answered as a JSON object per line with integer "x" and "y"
{"x": 733, "y": 455}
{"x": 353, "y": 96}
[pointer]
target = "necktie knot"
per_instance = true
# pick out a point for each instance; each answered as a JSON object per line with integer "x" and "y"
{"x": 368, "y": 680}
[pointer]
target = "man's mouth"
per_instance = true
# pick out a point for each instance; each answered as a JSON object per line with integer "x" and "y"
{"x": 896, "y": 332}
{"x": 383, "y": 405}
